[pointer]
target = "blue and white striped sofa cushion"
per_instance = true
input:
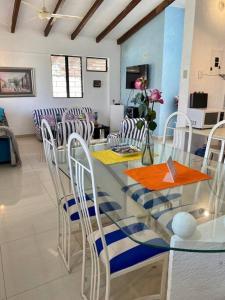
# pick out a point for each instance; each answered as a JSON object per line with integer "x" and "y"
{"x": 125, "y": 252}
{"x": 71, "y": 126}
{"x": 104, "y": 206}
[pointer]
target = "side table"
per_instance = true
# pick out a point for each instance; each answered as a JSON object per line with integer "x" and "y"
{"x": 101, "y": 131}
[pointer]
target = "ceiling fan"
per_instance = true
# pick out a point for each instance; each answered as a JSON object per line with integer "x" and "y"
{"x": 44, "y": 14}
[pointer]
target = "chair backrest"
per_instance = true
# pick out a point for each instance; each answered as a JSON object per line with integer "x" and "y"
{"x": 178, "y": 124}
{"x": 129, "y": 130}
{"x": 81, "y": 173}
{"x": 219, "y": 139}
{"x": 83, "y": 127}
{"x": 52, "y": 160}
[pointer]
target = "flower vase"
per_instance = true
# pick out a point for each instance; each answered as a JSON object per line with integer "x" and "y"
{"x": 148, "y": 152}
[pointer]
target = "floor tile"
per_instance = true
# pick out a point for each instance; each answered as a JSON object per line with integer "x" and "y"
{"x": 32, "y": 216}
{"x": 37, "y": 161}
{"x": 14, "y": 195}
{"x": 29, "y": 145}
{"x": 15, "y": 175}
{"x": 30, "y": 262}
{"x": 67, "y": 288}
{"x": 137, "y": 284}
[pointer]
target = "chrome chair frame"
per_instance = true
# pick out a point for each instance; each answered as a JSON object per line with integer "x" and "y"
{"x": 178, "y": 140}
{"x": 79, "y": 170}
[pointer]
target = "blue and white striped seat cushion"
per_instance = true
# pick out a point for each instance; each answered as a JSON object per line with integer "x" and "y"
{"x": 123, "y": 251}
{"x": 105, "y": 205}
{"x": 165, "y": 217}
{"x": 149, "y": 199}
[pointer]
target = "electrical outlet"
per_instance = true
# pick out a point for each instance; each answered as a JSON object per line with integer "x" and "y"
{"x": 200, "y": 75}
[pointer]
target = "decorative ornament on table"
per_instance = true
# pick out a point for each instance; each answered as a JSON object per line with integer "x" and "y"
{"x": 184, "y": 225}
{"x": 146, "y": 100}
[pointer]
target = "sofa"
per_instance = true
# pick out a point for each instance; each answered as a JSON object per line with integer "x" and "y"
{"x": 54, "y": 116}
{"x": 9, "y": 150}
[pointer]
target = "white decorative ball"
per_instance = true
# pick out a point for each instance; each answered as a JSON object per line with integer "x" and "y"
{"x": 184, "y": 225}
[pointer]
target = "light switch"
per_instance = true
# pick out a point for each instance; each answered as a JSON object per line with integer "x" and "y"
{"x": 185, "y": 74}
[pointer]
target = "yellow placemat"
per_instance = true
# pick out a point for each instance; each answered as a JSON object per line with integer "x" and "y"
{"x": 107, "y": 157}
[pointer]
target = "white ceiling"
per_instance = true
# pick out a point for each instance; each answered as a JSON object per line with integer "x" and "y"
{"x": 108, "y": 10}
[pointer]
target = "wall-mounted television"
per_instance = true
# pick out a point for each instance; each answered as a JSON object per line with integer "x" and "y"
{"x": 136, "y": 72}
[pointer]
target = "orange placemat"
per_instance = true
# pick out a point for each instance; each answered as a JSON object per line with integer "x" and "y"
{"x": 152, "y": 177}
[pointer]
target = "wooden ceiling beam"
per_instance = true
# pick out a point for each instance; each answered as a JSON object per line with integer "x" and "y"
{"x": 50, "y": 24}
{"x": 118, "y": 19}
{"x": 16, "y": 9}
{"x": 149, "y": 17}
{"x": 86, "y": 18}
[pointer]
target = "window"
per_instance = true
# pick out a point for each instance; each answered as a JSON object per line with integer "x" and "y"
{"x": 67, "y": 76}
{"x": 95, "y": 64}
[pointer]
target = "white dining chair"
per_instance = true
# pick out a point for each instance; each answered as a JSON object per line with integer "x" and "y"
{"x": 64, "y": 230}
{"x": 129, "y": 133}
{"x": 109, "y": 245}
{"x": 67, "y": 211}
{"x": 178, "y": 124}
{"x": 219, "y": 150}
{"x": 83, "y": 127}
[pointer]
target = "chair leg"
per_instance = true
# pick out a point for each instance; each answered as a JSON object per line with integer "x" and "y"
{"x": 83, "y": 270}
{"x": 163, "y": 290}
{"x": 211, "y": 156}
{"x": 64, "y": 240}
{"x": 58, "y": 226}
{"x": 69, "y": 247}
{"x": 107, "y": 286}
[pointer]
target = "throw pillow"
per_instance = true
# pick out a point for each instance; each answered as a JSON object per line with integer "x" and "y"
{"x": 50, "y": 119}
{"x": 91, "y": 116}
{"x": 72, "y": 117}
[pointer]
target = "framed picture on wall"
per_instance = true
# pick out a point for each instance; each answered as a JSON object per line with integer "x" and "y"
{"x": 17, "y": 82}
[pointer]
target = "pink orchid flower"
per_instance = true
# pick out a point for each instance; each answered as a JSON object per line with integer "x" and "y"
{"x": 140, "y": 83}
{"x": 155, "y": 96}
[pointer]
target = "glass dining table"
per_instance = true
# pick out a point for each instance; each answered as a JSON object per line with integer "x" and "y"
{"x": 204, "y": 200}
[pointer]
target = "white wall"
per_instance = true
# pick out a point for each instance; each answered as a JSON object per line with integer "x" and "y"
{"x": 31, "y": 49}
{"x": 187, "y": 54}
{"x": 209, "y": 32}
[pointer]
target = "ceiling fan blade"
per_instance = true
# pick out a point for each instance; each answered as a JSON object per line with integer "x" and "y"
{"x": 31, "y": 5}
{"x": 65, "y": 16}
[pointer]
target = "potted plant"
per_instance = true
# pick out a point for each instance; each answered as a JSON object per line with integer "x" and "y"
{"x": 146, "y": 100}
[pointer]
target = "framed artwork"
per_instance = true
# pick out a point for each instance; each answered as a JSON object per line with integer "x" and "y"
{"x": 17, "y": 82}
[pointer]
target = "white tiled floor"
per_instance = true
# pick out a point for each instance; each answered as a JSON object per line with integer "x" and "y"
{"x": 30, "y": 266}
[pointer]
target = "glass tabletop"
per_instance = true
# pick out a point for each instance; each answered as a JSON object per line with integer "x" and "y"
{"x": 143, "y": 209}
